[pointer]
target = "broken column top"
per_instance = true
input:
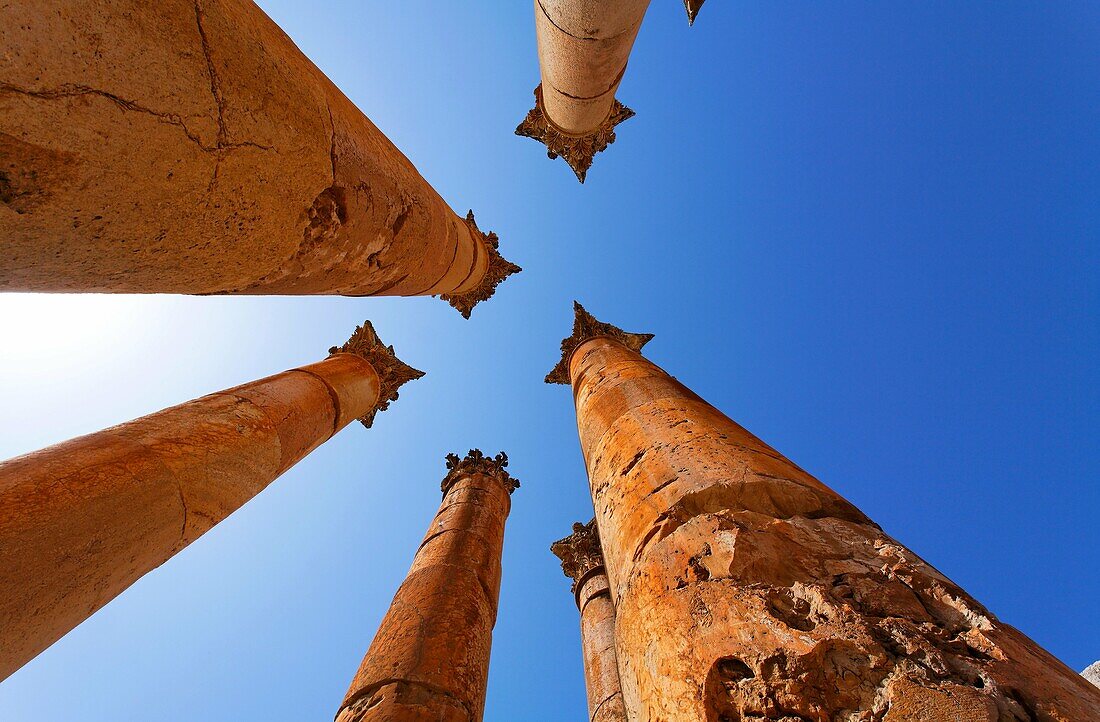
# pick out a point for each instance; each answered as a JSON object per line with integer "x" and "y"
{"x": 476, "y": 462}
{"x": 580, "y": 552}
{"x": 392, "y": 371}
{"x": 577, "y": 150}
{"x": 586, "y": 327}
{"x": 498, "y": 269}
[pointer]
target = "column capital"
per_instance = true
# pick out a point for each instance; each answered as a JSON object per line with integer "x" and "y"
{"x": 498, "y": 269}
{"x": 692, "y": 7}
{"x": 392, "y": 371}
{"x": 475, "y": 462}
{"x": 577, "y": 150}
{"x": 585, "y": 327}
{"x": 580, "y": 552}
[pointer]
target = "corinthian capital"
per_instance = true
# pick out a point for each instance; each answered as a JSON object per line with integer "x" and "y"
{"x": 392, "y": 371}
{"x": 585, "y": 327}
{"x": 475, "y": 462}
{"x": 580, "y": 552}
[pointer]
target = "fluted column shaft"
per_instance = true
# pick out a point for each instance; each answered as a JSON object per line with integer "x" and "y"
{"x": 83, "y": 520}
{"x": 745, "y": 588}
{"x": 429, "y": 659}
{"x": 188, "y": 146}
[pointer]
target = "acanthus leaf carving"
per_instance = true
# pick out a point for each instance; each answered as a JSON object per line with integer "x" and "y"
{"x": 392, "y": 371}
{"x": 585, "y": 327}
{"x": 577, "y": 150}
{"x": 497, "y": 270}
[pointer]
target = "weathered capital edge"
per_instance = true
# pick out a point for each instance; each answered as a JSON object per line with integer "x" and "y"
{"x": 476, "y": 462}
{"x": 498, "y": 269}
{"x": 692, "y": 7}
{"x": 392, "y": 371}
{"x": 577, "y": 150}
{"x": 585, "y": 327}
{"x": 580, "y": 553}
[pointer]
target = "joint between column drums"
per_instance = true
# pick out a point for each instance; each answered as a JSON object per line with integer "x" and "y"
{"x": 337, "y": 414}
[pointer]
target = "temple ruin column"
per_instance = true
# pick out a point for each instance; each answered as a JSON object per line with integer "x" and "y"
{"x": 83, "y": 520}
{"x": 744, "y": 588}
{"x": 583, "y": 49}
{"x": 188, "y": 146}
{"x": 582, "y": 561}
{"x": 430, "y": 657}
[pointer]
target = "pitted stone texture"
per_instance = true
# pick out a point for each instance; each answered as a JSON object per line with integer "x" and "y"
{"x": 746, "y": 589}
{"x": 83, "y": 520}
{"x": 1092, "y": 673}
{"x": 187, "y": 146}
{"x": 430, "y": 657}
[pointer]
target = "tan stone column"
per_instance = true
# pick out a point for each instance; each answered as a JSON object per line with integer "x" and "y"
{"x": 582, "y": 561}
{"x": 83, "y": 520}
{"x": 744, "y": 588}
{"x": 429, "y": 660}
{"x": 583, "y": 46}
{"x": 188, "y": 146}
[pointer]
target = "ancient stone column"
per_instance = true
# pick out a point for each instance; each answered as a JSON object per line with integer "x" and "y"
{"x": 583, "y": 50}
{"x": 83, "y": 520}
{"x": 582, "y": 561}
{"x": 429, "y": 660}
{"x": 744, "y": 588}
{"x": 187, "y": 146}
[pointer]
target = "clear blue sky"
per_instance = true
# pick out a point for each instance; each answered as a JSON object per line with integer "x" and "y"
{"x": 867, "y": 231}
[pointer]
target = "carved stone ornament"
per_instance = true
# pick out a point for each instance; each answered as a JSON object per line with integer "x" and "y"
{"x": 392, "y": 372}
{"x": 692, "y": 7}
{"x": 497, "y": 270}
{"x": 577, "y": 150}
{"x": 476, "y": 462}
{"x": 580, "y": 552}
{"x": 586, "y": 327}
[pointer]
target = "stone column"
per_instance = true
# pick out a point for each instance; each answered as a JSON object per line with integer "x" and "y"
{"x": 745, "y": 588}
{"x": 429, "y": 660}
{"x": 582, "y": 561}
{"x": 583, "y": 46}
{"x": 83, "y": 520}
{"x": 188, "y": 146}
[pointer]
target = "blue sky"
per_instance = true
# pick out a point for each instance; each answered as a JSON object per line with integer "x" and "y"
{"x": 866, "y": 231}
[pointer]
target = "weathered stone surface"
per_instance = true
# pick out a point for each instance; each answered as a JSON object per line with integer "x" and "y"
{"x": 1092, "y": 673}
{"x": 430, "y": 657}
{"x": 746, "y": 589}
{"x": 583, "y": 50}
{"x": 582, "y": 561}
{"x": 83, "y": 520}
{"x": 187, "y": 146}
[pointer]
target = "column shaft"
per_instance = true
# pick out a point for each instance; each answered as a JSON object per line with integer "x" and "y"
{"x": 583, "y": 48}
{"x": 582, "y": 561}
{"x": 83, "y": 520}
{"x": 188, "y": 146}
{"x": 430, "y": 657}
{"x": 745, "y": 588}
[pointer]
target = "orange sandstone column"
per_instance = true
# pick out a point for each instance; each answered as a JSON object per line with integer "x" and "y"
{"x": 582, "y": 561}
{"x": 83, "y": 520}
{"x": 583, "y": 46}
{"x": 429, "y": 660}
{"x": 188, "y": 146}
{"x": 744, "y": 588}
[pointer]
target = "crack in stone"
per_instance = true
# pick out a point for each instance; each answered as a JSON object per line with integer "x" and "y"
{"x": 72, "y": 90}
